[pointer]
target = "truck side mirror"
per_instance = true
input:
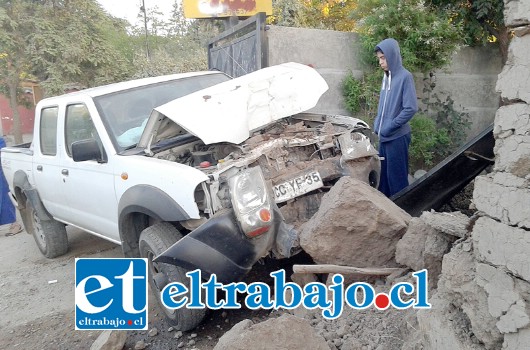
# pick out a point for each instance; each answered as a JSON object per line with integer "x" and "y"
{"x": 87, "y": 150}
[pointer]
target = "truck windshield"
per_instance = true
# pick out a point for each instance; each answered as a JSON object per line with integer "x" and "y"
{"x": 125, "y": 112}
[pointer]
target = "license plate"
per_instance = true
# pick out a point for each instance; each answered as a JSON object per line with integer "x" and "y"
{"x": 297, "y": 186}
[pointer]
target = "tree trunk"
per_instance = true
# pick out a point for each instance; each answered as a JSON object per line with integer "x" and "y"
{"x": 17, "y": 125}
{"x": 504, "y": 42}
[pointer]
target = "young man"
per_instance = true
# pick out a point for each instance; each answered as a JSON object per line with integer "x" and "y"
{"x": 397, "y": 105}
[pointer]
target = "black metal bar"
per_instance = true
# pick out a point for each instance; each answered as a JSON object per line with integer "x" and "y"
{"x": 449, "y": 177}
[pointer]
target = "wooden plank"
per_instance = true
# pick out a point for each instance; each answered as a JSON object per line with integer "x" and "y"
{"x": 371, "y": 271}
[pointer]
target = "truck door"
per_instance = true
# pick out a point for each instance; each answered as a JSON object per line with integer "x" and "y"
{"x": 47, "y": 162}
{"x": 89, "y": 185}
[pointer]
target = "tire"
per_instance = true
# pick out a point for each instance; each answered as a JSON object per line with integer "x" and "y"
{"x": 50, "y": 235}
{"x": 153, "y": 241}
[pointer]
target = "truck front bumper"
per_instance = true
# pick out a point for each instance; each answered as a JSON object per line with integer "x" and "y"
{"x": 219, "y": 247}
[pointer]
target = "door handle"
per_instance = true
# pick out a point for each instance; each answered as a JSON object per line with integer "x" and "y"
{"x": 39, "y": 167}
{"x": 64, "y": 172}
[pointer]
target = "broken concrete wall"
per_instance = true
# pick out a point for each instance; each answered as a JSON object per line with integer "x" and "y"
{"x": 426, "y": 242}
{"x": 489, "y": 284}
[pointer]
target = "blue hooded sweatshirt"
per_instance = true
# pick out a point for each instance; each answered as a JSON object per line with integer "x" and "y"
{"x": 397, "y": 101}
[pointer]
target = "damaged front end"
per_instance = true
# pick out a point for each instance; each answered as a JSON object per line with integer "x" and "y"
{"x": 260, "y": 192}
{"x": 268, "y": 164}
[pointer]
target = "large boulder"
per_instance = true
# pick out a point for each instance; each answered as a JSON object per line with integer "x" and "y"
{"x": 356, "y": 225}
{"x": 284, "y": 332}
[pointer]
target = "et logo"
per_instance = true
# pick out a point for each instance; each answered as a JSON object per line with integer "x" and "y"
{"x": 110, "y": 294}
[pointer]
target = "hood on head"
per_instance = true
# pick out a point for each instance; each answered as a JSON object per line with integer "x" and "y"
{"x": 390, "y": 49}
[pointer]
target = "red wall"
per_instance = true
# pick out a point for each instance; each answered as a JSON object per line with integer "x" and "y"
{"x": 27, "y": 116}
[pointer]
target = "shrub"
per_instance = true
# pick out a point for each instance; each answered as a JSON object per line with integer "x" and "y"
{"x": 429, "y": 143}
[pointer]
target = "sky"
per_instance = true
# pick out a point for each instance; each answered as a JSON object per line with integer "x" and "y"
{"x": 129, "y": 9}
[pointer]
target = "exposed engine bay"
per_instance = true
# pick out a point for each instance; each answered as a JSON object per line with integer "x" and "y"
{"x": 300, "y": 157}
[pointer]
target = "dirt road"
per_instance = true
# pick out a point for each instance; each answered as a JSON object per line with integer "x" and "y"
{"x": 37, "y": 300}
{"x": 37, "y": 294}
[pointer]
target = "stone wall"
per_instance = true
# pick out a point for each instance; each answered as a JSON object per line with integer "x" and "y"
{"x": 469, "y": 79}
{"x": 502, "y": 238}
{"x": 488, "y": 285}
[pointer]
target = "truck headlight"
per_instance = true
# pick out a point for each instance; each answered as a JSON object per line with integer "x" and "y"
{"x": 250, "y": 201}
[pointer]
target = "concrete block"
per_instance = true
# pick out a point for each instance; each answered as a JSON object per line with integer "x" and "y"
{"x": 483, "y": 60}
{"x": 503, "y": 246}
{"x": 517, "y": 341}
{"x": 507, "y": 203}
{"x": 320, "y": 48}
{"x": 516, "y": 12}
{"x": 512, "y": 155}
{"x": 332, "y": 101}
{"x": 466, "y": 302}
{"x": 512, "y": 120}
{"x": 514, "y": 80}
{"x": 500, "y": 289}
{"x": 514, "y": 319}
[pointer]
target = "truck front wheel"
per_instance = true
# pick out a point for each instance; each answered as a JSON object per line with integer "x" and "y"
{"x": 50, "y": 235}
{"x": 153, "y": 241}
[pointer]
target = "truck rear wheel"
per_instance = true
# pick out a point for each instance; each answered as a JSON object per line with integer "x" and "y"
{"x": 153, "y": 241}
{"x": 50, "y": 235}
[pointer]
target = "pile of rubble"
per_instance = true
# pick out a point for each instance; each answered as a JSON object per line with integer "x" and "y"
{"x": 380, "y": 236}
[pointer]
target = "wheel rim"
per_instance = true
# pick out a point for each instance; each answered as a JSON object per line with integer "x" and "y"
{"x": 39, "y": 232}
{"x": 158, "y": 281}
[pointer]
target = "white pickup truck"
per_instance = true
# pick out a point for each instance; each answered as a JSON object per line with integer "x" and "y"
{"x": 192, "y": 170}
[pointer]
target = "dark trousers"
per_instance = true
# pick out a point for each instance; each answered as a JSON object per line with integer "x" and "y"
{"x": 395, "y": 166}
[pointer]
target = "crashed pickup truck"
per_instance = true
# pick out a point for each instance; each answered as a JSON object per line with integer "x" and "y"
{"x": 193, "y": 170}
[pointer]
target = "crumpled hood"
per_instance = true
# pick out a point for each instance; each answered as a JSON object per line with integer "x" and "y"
{"x": 231, "y": 111}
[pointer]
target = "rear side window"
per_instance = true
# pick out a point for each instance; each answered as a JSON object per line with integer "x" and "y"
{"x": 48, "y": 130}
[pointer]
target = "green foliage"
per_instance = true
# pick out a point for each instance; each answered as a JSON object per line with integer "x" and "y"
{"x": 429, "y": 142}
{"x": 361, "y": 96}
{"x": 427, "y": 37}
{"x": 447, "y": 117}
{"x": 176, "y": 45}
{"x": 289, "y": 13}
{"x": 352, "y": 91}
{"x": 437, "y": 130}
{"x": 321, "y": 14}
{"x": 480, "y": 19}
{"x": 90, "y": 59}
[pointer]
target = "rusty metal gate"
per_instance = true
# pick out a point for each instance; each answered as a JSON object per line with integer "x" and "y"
{"x": 241, "y": 49}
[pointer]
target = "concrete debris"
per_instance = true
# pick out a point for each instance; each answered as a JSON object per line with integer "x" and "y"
{"x": 110, "y": 340}
{"x": 445, "y": 327}
{"x": 284, "y": 332}
{"x": 458, "y": 286}
{"x": 303, "y": 278}
{"x": 454, "y": 224}
{"x": 423, "y": 246}
{"x": 502, "y": 245}
{"x": 513, "y": 82}
{"x": 517, "y": 341}
{"x": 356, "y": 225}
{"x": 140, "y": 345}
